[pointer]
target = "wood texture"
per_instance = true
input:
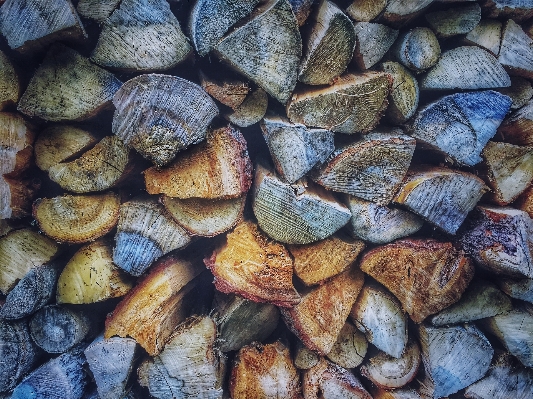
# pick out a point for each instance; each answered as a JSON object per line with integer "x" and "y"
{"x": 520, "y": 92}
{"x": 417, "y": 49}
{"x": 251, "y": 111}
{"x": 487, "y": 35}
{"x": 305, "y": 358}
{"x": 373, "y": 41}
{"x": 365, "y": 10}
{"x": 9, "y": 82}
{"x": 98, "y": 10}
{"x": 517, "y": 128}
{"x": 517, "y": 288}
{"x": 230, "y": 92}
{"x": 525, "y": 201}
{"x": 399, "y": 12}
{"x": 401, "y": 393}
{"x": 301, "y": 9}
{"x": 404, "y": 95}
{"x": 517, "y": 10}
{"x": 458, "y": 20}
{"x": 350, "y": 348}
{"x": 516, "y": 51}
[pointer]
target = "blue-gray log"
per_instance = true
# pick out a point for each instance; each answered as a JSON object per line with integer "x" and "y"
{"x": 417, "y": 49}
{"x": 457, "y": 20}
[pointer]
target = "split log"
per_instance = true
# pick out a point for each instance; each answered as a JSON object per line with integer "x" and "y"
{"x": 111, "y": 361}
{"x": 520, "y": 92}
{"x": 465, "y": 68}
{"x": 404, "y": 95}
{"x": 241, "y": 321}
{"x": 400, "y": 12}
{"x": 332, "y": 37}
{"x": 299, "y": 213}
{"x": 67, "y": 86}
{"x": 371, "y": 168}
{"x": 525, "y": 202}
{"x": 487, "y": 35}
{"x": 373, "y": 41}
{"x": 417, "y": 49}
{"x": 425, "y": 275}
{"x": 253, "y": 48}
{"x": 301, "y": 10}
{"x": 500, "y": 240}
{"x": 29, "y": 26}
{"x": 402, "y": 393}
{"x": 145, "y": 232}
{"x": 388, "y": 372}
{"x": 264, "y": 371}
{"x": 350, "y": 348}
{"x": 9, "y": 83}
{"x": 315, "y": 263}
{"x": 77, "y": 219}
{"x": 520, "y": 289}
{"x": 380, "y": 224}
{"x": 454, "y": 357}
{"x": 354, "y": 103}
{"x": 21, "y": 251}
{"x": 365, "y": 10}
{"x": 219, "y": 168}
{"x": 319, "y": 317}
{"x": 16, "y": 196}
{"x": 153, "y": 375}
{"x": 517, "y": 128}
{"x": 90, "y": 276}
{"x": 229, "y": 92}
{"x": 516, "y": 50}
{"x": 265, "y": 267}
{"x": 517, "y": 10}
{"x": 441, "y": 196}
{"x": 160, "y": 115}
{"x": 458, "y": 20}
{"x": 98, "y": 10}
{"x": 251, "y": 111}
{"x": 461, "y": 124}
{"x": 305, "y": 358}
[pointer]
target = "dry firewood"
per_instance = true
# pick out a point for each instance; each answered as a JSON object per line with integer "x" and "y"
{"x": 388, "y": 372}
{"x": 454, "y": 357}
{"x": 319, "y": 317}
{"x": 441, "y": 196}
{"x": 19, "y": 353}
{"x": 9, "y": 82}
{"x": 354, "y": 103}
{"x": 316, "y": 262}
{"x": 373, "y": 41}
{"x": 365, "y": 10}
{"x": 332, "y": 37}
{"x": 404, "y": 95}
{"x": 371, "y": 168}
{"x": 141, "y": 35}
{"x": 211, "y": 19}
{"x": 425, "y": 275}
{"x": 465, "y": 68}
{"x": 264, "y": 371}
{"x": 525, "y": 201}
{"x": 299, "y": 213}
{"x": 417, "y": 49}
{"x": 20, "y": 251}
{"x": 77, "y": 219}
{"x": 500, "y": 240}
{"x": 329, "y": 381}
{"x": 518, "y": 127}
{"x": 241, "y": 321}
{"x": 153, "y": 375}
{"x": 98, "y": 10}
{"x": 157, "y": 304}
{"x": 219, "y": 168}
{"x": 301, "y": 9}
{"x": 402, "y": 393}
{"x": 481, "y": 299}
{"x": 461, "y": 124}
{"x": 305, "y": 358}
{"x": 379, "y": 315}
{"x": 487, "y": 35}
{"x": 380, "y": 224}
{"x": 505, "y": 379}
{"x": 57, "y": 329}
{"x": 515, "y": 9}
{"x": 517, "y": 288}
{"x": 111, "y": 361}
{"x": 16, "y": 196}
{"x": 29, "y": 26}
{"x": 516, "y": 50}
{"x": 91, "y": 276}
{"x": 514, "y": 329}
{"x": 229, "y": 92}
{"x": 31, "y": 293}
{"x": 254, "y": 48}
{"x": 67, "y": 86}
{"x": 458, "y": 20}
{"x": 399, "y": 12}
{"x": 265, "y": 267}
{"x": 350, "y": 348}
{"x": 520, "y": 92}
{"x": 251, "y": 111}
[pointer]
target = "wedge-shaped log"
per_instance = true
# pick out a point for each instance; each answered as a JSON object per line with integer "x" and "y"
{"x": 353, "y": 104}
{"x": 465, "y": 68}
{"x": 516, "y": 51}
{"x": 318, "y": 319}
{"x": 402, "y": 393}
{"x": 16, "y": 196}
{"x": 500, "y": 240}
{"x": 365, "y": 10}
{"x": 330, "y": 45}
{"x": 425, "y": 275}
{"x": 265, "y": 267}
{"x": 229, "y": 92}
{"x": 264, "y": 371}
{"x": 404, "y": 95}
{"x": 316, "y": 262}
{"x": 518, "y": 288}
{"x": 77, "y": 219}
{"x": 371, "y": 168}
{"x": 379, "y": 315}
{"x": 388, "y": 372}
{"x": 254, "y": 48}
{"x": 28, "y": 25}
{"x": 111, "y": 361}
{"x": 301, "y": 10}
{"x": 98, "y": 10}
{"x": 441, "y": 196}
{"x": 160, "y": 115}
{"x": 305, "y": 358}
{"x": 21, "y": 251}
{"x": 487, "y": 35}
{"x": 461, "y": 124}
{"x": 67, "y": 86}
{"x": 299, "y": 213}
{"x": 145, "y": 232}
{"x": 417, "y": 49}
{"x": 153, "y": 375}
{"x": 373, "y": 41}
{"x": 520, "y": 92}
{"x": 9, "y": 82}
{"x": 454, "y": 357}
{"x": 156, "y": 305}
{"x": 399, "y": 12}
{"x": 458, "y": 20}
{"x": 241, "y": 321}
{"x": 350, "y": 348}
{"x": 294, "y": 148}
{"x": 517, "y": 129}
{"x": 251, "y": 111}
{"x": 219, "y": 168}
{"x": 517, "y": 10}
{"x": 90, "y": 276}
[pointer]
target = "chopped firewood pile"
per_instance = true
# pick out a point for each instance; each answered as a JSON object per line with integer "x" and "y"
{"x": 299, "y": 199}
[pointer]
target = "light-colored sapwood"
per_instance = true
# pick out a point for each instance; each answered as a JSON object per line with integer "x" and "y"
{"x": 520, "y": 92}
{"x": 373, "y": 41}
{"x": 518, "y": 127}
{"x": 252, "y": 109}
{"x": 350, "y": 348}
{"x": 400, "y": 12}
{"x": 404, "y": 94}
{"x": 9, "y": 82}
{"x": 417, "y": 49}
{"x": 230, "y": 92}
{"x": 98, "y": 10}
{"x": 454, "y": 21}
{"x": 516, "y": 50}
{"x": 517, "y": 288}
{"x": 365, "y": 10}
{"x": 487, "y": 34}
{"x": 305, "y": 358}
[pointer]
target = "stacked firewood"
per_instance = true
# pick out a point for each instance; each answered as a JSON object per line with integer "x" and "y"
{"x": 266, "y": 199}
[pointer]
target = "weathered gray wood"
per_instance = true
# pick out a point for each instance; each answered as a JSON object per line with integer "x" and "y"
{"x": 417, "y": 49}
{"x": 399, "y": 12}
{"x": 365, "y": 10}
{"x": 266, "y": 49}
{"x": 518, "y": 288}
{"x": 518, "y": 10}
{"x": 350, "y": 348}
{"x": 373, "y": 41}
{"x": 9, "y": 82}
{"x": 305, "y": 358}
{"x": 487, "y": 35}
{"x": 516, "y": 50}
{"x": 98, "y": 10}
{"x": 453, "y": 357}
{"x": 251, "y": 111}
{"x": 518, "y": 127}
{"x": 404, "y": 95}
{"x": 301, "y": 9}
{"x": 458, "y": 20}
{"x": 520, "y": 92}
{"x": 153, "y": 375}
